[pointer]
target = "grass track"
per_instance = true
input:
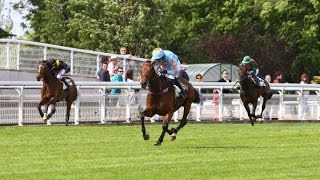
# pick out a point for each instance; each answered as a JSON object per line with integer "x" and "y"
{"x": 201, "y": 151}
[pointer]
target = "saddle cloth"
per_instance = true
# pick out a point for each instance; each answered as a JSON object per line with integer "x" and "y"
{"x": 64, "y": 86}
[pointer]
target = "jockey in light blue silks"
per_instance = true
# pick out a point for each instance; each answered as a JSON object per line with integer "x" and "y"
{"x": 171, "y": 63}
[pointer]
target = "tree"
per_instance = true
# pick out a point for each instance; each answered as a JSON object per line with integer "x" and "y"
{"x": 97, "y": 25}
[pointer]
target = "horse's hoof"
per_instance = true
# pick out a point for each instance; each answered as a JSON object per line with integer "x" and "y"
{"x": 146, "y": 136}
{"x": 45, "y": 121}
{"x": 173, "y": 136}
{"x": 157, "y": 143}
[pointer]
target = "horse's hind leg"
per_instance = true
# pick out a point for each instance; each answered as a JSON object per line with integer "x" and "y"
{"x": 183, "y": 122}
{"x": 263, "y": 106}
{"x": 68, "y": 112}
{"x": 165, "y": 125}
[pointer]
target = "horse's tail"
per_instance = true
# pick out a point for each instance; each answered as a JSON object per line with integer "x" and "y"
{"x": 196, "y": 96}
{"x": 75, "y": 86}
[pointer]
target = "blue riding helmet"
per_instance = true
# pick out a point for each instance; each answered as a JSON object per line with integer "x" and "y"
{"x": 157, "y": 53}
{"x": 246, "y": 60}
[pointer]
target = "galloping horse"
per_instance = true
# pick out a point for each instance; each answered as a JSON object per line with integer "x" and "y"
{"x": 249, "y": 93}
{"x": 52, "y": 91}
{"x": 161, "y": 100}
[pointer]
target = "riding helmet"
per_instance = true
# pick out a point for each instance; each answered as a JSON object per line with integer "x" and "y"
{"x": 157, "y": 53}
{"x": 246, "y": 60}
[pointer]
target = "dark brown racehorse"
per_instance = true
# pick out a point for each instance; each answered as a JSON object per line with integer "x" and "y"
{"x": 249, "y": 93}
{"x": 52, "y": 91}
{"x": 161, "y": 100}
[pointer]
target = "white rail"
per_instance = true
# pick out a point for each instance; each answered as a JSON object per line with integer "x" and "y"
{"x": 18, "y": 102}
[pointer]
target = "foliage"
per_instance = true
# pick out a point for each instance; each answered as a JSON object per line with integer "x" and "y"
{"x": 278, "y": 34}
{"x": 201, "y": 151}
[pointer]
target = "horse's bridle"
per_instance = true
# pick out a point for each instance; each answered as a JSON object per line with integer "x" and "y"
{"x": 151, "y": 79}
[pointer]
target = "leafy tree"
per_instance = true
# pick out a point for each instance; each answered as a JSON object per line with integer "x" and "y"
{"x": 97, "y": 25}
{"x": 297, "y": 23}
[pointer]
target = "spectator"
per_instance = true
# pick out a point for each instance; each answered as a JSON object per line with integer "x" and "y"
{"x": 278, "y": 78}
{"x": 104, "y": 74}
{"x": 303, "y": 96}
{"x": 131, "y": 94}
{"x": 129, "y": 76}
{"x": 183, "y": 73}
{"x": 225, "y": 78}
{"x": 113, "y": 62}
{"x": 266, "y": 113}
{"x": 123, "y": 53}
{"x": 268, "y": 78}
{"x": 117, "y": 78}
{"x": 104, "y": 59}
{"x": 199, "y": 78}
{"x": 115, "y": 92}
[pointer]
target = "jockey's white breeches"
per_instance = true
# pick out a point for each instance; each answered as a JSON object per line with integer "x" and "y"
{"x": 170, "y": 76}
{"x": 60, "y": 73}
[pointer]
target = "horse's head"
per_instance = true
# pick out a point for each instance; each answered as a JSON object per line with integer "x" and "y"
{"x": 147, "y": 73}
{"x": 245, "y": 81}
{"x": 43, "y": 70}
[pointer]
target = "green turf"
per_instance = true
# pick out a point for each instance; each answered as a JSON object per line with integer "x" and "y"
{"x": 201, "y": 151}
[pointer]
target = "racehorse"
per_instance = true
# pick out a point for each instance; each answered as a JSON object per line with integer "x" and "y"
{"x": 249, "y": 93}
{"x": 161, "y": 100}
{"x": 52, "y": 91}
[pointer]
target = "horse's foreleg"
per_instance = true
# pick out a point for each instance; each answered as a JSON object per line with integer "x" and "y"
{"x": 41, "y": 103}
{"x": 143, "y": 128}
{"x": 40, "y": 110}
{"x": 246, "y": 106}
{"x": 52, "y": 110}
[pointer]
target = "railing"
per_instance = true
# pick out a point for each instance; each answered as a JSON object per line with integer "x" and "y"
{"x": 25, "y": 55}
{"x": 18, "y": 101}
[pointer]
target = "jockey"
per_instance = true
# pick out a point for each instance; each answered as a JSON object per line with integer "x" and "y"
{"x": 169, "y": 62}
{"x": 252, "y": 67}
{"x": 59, "y": 68}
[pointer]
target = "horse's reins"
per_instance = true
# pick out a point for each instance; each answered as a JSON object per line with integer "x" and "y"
{"x": 158, "y": 92}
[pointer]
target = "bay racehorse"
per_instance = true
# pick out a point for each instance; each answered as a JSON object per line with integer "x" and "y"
{"x": 52, "y": 92}
{"x": 161, "y": 100}
{"x": 250, "y": 93}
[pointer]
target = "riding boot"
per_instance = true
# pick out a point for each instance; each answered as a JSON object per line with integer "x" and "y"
{"x": 65, "y": 82}
{"x": 182, "y": 93}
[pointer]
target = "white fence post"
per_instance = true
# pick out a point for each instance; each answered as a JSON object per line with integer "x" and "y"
{"x": 20, "y": 92}
{"x": 18, "y": 57}
{"x": 77, "y": 108}
{"x": 8, "y": 55}
{"x": 198, "y": 112}
{"x": 71, "y": 62}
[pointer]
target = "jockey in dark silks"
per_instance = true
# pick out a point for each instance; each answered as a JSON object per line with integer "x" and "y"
{"x": 169, "y": 62}
{"x": 252, "y": 68}
{"x": 59, "y": 68}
